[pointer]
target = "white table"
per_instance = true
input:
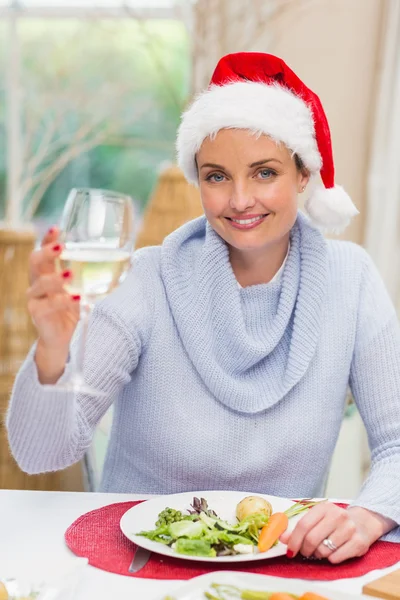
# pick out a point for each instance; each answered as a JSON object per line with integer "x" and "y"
{"x": 32, "y": 526}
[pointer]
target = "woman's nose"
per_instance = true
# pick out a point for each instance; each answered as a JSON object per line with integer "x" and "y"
{"x": 241, "y": 198}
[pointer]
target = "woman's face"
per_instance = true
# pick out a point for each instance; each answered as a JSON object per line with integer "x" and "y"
{"x": 249, "y": 188}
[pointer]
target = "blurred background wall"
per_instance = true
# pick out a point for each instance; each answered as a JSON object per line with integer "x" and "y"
{"x": 91, "y": 94}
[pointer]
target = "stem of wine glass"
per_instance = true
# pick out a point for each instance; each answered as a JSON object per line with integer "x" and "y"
{"x": 85, "y": 312}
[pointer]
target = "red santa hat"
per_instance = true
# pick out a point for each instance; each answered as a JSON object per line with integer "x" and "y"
{"x": 259, "y": 92}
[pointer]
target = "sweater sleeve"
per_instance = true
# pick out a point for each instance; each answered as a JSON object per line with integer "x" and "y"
{"x": 375, "y": 384}
{"x": 50, "y": 429}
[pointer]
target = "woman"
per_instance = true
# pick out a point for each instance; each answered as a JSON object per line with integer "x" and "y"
{"x": 228, "y": 350}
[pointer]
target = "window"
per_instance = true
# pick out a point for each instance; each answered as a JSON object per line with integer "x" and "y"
{"x": 103, "y": 86}
{"x": 3, "y": 153}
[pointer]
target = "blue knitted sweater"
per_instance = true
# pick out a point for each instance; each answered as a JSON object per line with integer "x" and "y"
{"x": 218, "y": 387}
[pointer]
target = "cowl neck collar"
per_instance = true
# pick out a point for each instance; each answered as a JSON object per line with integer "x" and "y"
{"x": 250, "y": 346}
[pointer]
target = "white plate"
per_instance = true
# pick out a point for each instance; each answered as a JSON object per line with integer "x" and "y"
{"x": 44, "y": 580}
{"x": 195, "y": 588}
{"x": 144, "y": 516}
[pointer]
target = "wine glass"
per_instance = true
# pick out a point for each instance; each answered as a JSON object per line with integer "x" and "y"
{"x": 97, "y": 232}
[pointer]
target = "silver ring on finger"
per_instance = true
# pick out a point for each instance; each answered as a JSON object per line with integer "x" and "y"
{"x": 329, "y": 544}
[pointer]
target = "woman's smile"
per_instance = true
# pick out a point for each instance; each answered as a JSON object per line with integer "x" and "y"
{"x": 246, "y": 222}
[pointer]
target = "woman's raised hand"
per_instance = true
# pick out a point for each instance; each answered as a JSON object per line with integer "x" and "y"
{"x": 53, "y": 310}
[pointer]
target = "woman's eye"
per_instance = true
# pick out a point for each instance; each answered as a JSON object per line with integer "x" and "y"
{"x": 216, "y": 177}
{"x": 266, "y": 173}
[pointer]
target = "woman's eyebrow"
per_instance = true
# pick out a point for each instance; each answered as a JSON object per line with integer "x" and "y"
{"x": 263, "y": 162}
{"x": 212, "y": 165}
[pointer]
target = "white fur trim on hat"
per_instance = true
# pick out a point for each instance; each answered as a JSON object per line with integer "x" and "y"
{"x": 330, "y": 209}
{"x": 263, "y": 109}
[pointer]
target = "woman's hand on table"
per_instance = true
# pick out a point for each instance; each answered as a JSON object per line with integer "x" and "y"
{"x": 351, "y": 531}
{"x": 54, "y": 312}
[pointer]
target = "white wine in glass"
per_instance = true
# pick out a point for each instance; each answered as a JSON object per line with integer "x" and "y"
{"x": 97, "y": 270}
{"x": 97, "y": 233}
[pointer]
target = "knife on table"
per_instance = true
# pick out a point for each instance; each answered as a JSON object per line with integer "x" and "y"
{"x": 140, "y": 559}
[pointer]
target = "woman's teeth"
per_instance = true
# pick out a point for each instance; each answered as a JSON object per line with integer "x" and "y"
{"x": 248, "y": 221}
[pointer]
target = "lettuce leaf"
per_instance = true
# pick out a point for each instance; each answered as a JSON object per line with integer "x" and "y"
{"x": 187, "y": 529}
{"x": 194, "y": 547}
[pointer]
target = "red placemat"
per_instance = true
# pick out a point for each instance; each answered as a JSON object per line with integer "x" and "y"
{"x": 96, "y": 535}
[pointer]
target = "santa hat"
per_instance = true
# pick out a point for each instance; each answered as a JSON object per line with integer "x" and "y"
{"x": 259, "y": 92}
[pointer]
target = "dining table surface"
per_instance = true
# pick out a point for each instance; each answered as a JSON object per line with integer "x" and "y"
{"x": 32, "y": 527}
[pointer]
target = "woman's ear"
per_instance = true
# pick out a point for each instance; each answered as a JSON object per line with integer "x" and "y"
{"x": 304, "y": 178}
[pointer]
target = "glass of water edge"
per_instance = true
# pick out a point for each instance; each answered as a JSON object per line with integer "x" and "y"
{"x": 97, "y": 233}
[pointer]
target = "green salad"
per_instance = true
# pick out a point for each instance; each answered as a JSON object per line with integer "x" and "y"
{"x": 220, "y": 591}
{"x": 200, "y": 532}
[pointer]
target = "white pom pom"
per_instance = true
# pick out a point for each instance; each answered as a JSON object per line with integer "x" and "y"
{"x": 330, "y": 209}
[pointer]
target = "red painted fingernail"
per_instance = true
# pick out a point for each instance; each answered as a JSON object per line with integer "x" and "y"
{"x": 289, "y": 553}
{"x": 67, "y": 274}
{"x": 51, "y": 230}
{"x": 76, "y": 298}
{"x": 56, "y": 248}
